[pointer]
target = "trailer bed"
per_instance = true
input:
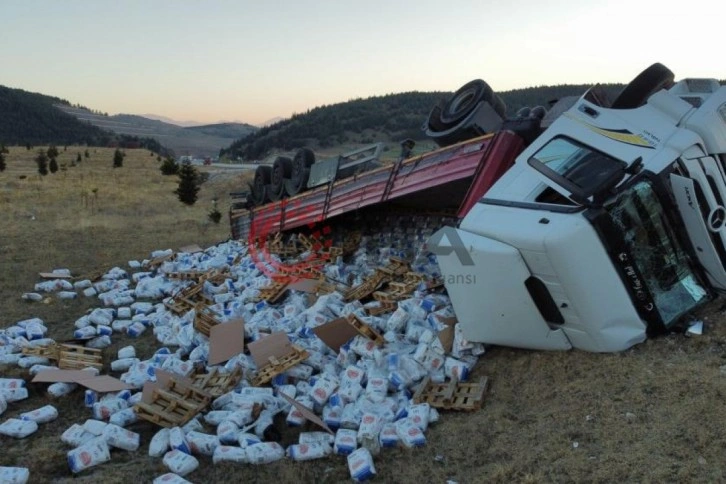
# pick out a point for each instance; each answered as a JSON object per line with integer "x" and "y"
{"x": 452, "y": 178}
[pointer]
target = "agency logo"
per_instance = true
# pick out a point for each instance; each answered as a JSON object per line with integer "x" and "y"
{"x": 268, "y": 222}
{"x": 454, "y": 244}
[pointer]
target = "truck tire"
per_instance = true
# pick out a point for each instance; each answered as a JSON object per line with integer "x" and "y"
{"x": 281, "y": 169}
{"x": 300, "y": 171}
{"x": 263, "y": 174}
{"x": 465, "y": 99}
{"x": 645, "y": 84}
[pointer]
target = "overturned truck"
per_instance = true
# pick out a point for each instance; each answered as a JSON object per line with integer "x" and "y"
{"x": 589, "y": 225}
{"x": 609, "y": 227}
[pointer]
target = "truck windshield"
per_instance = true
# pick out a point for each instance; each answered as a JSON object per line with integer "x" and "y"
{"x": 662, "y": 262}
{"x": 574, "y": 166}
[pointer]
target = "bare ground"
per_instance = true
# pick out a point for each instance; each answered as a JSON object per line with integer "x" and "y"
{"x": 653, "y": 413}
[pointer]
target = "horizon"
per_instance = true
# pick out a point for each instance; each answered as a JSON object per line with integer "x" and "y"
{"x": 249, "y": 62}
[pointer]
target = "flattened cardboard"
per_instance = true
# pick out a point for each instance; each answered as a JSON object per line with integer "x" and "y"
{"x": 163, "y": 377}
{"x": 190, "y": 249}
{"x": 54, "y": 275}
{"x": 101, "y": 384}
{"x": 276, "y": 345}
{"x": 305, "y": 285}
{"x": 147, "y": 393}
{"x": 446, "y": 335}
{"x": 59, "y": 376}
{"x": 335, "y": 333}
{"x": 226, "y": 340}
{"x": 308, "y": 414}
{"x": 104, "y": 384}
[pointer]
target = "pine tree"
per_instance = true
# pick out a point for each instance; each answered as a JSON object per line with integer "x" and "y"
{"x": 52, "y": 152}
{"x": 87, "y": 154}
{"x": 118, "y": 159}
{"x": 2, "y": 161}
{"x": 169, "y": 166}
{"x": 53, "y": 165}
{"x": 188, "y": 184}
{"x": 42, "y": 161}
{"x": 78, "y": 158}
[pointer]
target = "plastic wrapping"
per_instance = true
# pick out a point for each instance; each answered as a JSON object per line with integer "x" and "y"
{"x": 170, "y": 478}
{"x": 264, "y": 453}
{"x": 346, "y": 441}
{"x": 159, "y": 444}
{"x": 94, "y": 427}
{"x": 360, "y": 465}
{"x": 42, "y": 415}
{"x": 14, "y": 475}
{"x": 75, "y": 435}
{"x": 178, "y": 441}
{"x": 203, "y": 444}
{"x": 180, "y": 462}
{"x": 315, "y": 450}
{"x": 121, "y": 438}
{"x": 229, "y": 453}
{"x": 124, "y": 417}
{"x": 92, "y": 453}
{"x": 17, "y": 428}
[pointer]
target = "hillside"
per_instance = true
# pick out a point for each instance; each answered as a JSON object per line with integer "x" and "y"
{"x": 389, "y": 118}
{"x": 33, "y": 118}
{"x": 198, "y": 140}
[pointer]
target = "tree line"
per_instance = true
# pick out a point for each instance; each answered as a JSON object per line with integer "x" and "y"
{"x": 31, "y": 119}
{"x": 393, "y": 116}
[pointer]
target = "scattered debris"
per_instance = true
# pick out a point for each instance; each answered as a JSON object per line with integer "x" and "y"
{"x": 341, "y": 345}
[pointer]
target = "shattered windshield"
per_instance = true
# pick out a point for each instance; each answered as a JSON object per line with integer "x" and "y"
{"x": 657, "y": 252}
{"x": 574, "y": 166}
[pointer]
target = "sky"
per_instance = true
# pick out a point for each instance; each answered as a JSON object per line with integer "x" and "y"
{"x": 253, "y": 60}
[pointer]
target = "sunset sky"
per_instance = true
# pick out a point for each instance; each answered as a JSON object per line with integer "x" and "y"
{"x": 250, "y": 61}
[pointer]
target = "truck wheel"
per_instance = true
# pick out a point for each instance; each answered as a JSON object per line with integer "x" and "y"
{"x": 466, "y": 99}
{"x": 263, "y": 174}
{"x": 300, "y": 171}
{"x": 281, "y": 169}
{"x": 647, "y": 83}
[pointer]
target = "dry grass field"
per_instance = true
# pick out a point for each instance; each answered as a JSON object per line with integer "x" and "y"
{"x": 654, "y": 413}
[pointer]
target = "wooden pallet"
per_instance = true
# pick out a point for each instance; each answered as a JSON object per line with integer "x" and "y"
{"x": 279, "y": 365}
{"x": 383, "y": 308}
{"x": 157, "y": 261}
{"x": 452, "y": 395}
{"x": 369, "y": 285}
{"x": 274, "y": 292}
{"x": 74, "y": 357}
{"x": 51, "y": 351}
{"x": 188, "y": 298}
{"x": 384, "y": 297}
{"x": 365, "y": 330}
{"x": 174, "y": 405}
{"x": 216, "y": 384}
{"x": 185, "y": 275}
{"x": 398, "y": 266}
{"x": 204, "y": 320}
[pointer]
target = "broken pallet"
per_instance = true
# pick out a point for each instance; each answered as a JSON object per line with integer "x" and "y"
{"x": 452, "y": 395}
{"x": 216, "y": 384}
{"x": 279, "y": 365}
{"x": 382, "y": 308}
{"x": 364, "y": 330}
{"x": 174, "y": 405}
{"x": 204, "y": 320}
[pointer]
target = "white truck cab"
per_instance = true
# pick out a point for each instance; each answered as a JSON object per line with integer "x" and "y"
{"x": 609, "y": 227}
